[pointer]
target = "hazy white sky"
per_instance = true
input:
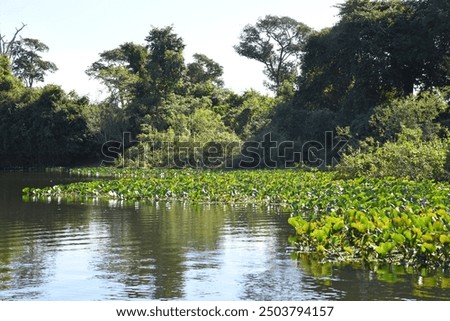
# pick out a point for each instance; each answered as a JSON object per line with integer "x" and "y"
{"x": 77, "y": 31}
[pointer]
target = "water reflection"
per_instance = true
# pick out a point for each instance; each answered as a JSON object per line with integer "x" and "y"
{"x": 171, "y": 251}
{"x": 28, "y": 242}
{"x": 111, "y": 250}
{"x": 389, "y": 282}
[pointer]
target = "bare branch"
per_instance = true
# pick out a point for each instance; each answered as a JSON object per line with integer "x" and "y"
{"x": 2, "y": 44}
{"x": 6, "y": 46}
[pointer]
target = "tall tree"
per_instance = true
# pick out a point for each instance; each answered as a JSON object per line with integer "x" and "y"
{"x": 28, "y": 64}
{"x": 121, "y": 70}
{"x": 25, "y": 57}
{"x": 7, "y": 46}
{"x": 8, "y": 82}
{"x": 166, "y": 63}
{"x": 278, "y": 43}
{"x": 204, "y": 69}
{"x": 377, "y": 50}
{"x": 431, "y": 21}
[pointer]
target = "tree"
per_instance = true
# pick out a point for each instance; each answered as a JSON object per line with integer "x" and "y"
{"x": 278, "y": 43}
{"x": 50, "y": 119}
{"x": 431, "y": 21}
{"x": 421, "y": 111}
{"x": 377, "y": 52}
{"x": 24, "y": 55}
{"x": 408, "y": 155}
{"x": 204, "y": 69}
{"x": 28, "y": 65}
{"x": 7, "y": 47}
{"x": 7, "y": 81}
{"x": 166, "y": 62}
{"x": 121, "y": 70}
{"x": 165, "y": 73}
{"x": 11, "y": 91}
{"x": 252, "y": 115}
{"x": 193, "y": 131}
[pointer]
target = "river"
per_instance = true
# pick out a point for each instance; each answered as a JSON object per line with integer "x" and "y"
{"x": 57, "y": 250}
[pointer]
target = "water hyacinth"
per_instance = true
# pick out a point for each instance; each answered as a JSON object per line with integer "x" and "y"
{"x": 368, "y": 219}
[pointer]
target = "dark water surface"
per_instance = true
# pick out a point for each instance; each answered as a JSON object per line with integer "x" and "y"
{"x": 111, "y": 251}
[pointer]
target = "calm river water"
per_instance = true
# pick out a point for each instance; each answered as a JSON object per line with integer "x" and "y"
{"x": 111, "y": 251}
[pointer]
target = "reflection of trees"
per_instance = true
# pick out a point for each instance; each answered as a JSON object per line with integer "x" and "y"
{"x": 147, "y": 248}
{"x": 31, "y": 234}
{"x": 28, "y": 232}
{"x": 390, "y": 282}
{"x": 164, "y": 250}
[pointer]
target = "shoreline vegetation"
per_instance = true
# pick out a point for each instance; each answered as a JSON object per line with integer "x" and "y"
{"x": 367, "y": 98}
{"x": 370, "y": 220}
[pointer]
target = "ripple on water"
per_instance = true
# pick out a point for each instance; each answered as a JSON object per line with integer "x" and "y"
{"x": 97, "y": 251}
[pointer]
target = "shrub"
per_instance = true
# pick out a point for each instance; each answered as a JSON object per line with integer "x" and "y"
{"x": 415, "y": 111}
{"x": 408, "y": 156}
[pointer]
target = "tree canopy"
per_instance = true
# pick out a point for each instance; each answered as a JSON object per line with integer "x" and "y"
{"x": 25, "y": 57}
{"x": 378, "y": 77}
{"x": 278, "y": 43}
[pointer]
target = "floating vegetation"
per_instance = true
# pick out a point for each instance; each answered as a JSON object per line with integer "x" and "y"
{"x": 365, "y": 219}
{"x": 389, "y": 235}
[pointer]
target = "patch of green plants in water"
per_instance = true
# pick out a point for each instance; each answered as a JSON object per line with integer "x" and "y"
{"x": 380, "y": 220}
{"x": 397, "y": 235}
{"x": 386, "y": 220}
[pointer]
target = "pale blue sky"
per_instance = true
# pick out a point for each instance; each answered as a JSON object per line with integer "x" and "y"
{"x": 77, "y": 31}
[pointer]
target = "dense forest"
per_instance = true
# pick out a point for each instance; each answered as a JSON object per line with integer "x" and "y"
{"x": 378, "y": 80}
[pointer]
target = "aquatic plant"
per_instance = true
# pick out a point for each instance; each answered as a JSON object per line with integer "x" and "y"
{"x": 369, "y": 219}
{"x": 389, "y": 235}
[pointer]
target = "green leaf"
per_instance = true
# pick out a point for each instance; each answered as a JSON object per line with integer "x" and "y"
{"x": 338, "y": 226}
{"x": 398, "y": 238}
{"x": 321, "y": 248}
{"x": 427, "y": 238}
{"x": 444, "y": 239}
{"x": 359, "y": 226}
{"x": 348, "y": 249}
{"x": 319, "y": 235}
{"x": 428, "y": 247}
{"x": 296, "y": 221}
{"x": 384, "y": 248}
{"x": 408, "y": 235}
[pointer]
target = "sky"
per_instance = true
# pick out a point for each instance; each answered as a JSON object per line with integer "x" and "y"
{"x": 77, "y": 31}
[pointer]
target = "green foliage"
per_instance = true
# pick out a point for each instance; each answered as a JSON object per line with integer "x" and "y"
{"x": 277, "y": 42}
{"x": 311, "y": 193}
{"x": 28, "y": 65}
{"x": 382, "y": 235}
{"x": 414, "y": 112}
{"x": 203, "y": 70}
{"x": 45, "y": 127}
{"x": 142, "y": 81}
{"x": 412, "y": 144}
{"x": 359, "y": 74}
{"x": 166, "y": 61}
{"x": 190, "y": 126}
{"x": 252, "y": 115}
{"x": 407, "y": 156}
{"x": 303, "y": 125}
{"x": 378, "y": 51}
{"x": 105, "y": 122}
{"x": 369, "y": 219}
{"x": 121, "y": 70}
{"x": 8, "y": 83}
{"x": 25, "y": 59}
